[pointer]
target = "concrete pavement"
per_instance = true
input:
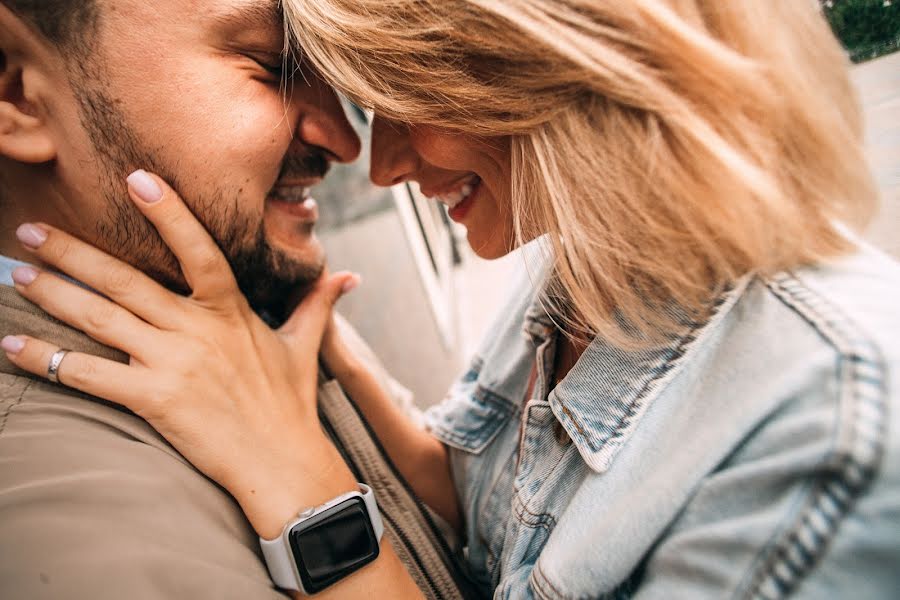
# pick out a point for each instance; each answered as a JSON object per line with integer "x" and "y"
{"x": 878, "y": 82}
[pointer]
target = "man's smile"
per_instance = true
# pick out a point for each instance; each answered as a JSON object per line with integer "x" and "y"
{"x": 291, "y": 198}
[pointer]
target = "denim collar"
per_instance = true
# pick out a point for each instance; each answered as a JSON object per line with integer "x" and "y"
{"x": 602, "y": 399}
{"x": 7, "y": 265}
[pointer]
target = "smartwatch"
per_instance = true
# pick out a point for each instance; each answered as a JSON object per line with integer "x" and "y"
{"x": 326, "y": 543}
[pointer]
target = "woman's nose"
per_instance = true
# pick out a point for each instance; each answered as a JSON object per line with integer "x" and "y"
{"x": 393, "y": 158}
{"x": 324, "y": 124}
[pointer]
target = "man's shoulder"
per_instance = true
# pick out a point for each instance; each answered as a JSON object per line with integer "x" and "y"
{"x": 94, "y": 503}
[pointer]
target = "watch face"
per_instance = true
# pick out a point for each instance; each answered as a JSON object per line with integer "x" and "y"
{"x": 333, "y": 544}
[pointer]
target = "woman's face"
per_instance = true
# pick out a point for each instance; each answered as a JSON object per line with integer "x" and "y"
{"x": 470, "y": 175}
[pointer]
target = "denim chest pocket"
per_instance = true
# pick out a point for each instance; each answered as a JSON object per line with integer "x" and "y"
{"x": 480, "y": 427}
{"x": 471, "y": 419}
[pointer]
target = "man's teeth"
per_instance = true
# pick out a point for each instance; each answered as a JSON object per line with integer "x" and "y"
{"x": 292, "y": 194}
{"x": 454, "y": 198}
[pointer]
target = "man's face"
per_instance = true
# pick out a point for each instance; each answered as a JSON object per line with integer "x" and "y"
{"x": 193, "y": 91}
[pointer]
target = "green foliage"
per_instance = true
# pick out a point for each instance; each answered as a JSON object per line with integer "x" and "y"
{"x": 867, "y": 28}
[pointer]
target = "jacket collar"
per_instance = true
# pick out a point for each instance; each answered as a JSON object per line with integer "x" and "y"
{"x": 601, "y": 401}
{"x": 7, "y": 266}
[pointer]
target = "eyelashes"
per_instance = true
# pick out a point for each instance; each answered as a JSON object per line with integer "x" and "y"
{"x": 276, "y": 65}
{"x": 274, "y": 69}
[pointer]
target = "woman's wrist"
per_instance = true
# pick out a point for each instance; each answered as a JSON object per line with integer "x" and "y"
{"x": 272, "y": 495}
{"x": 338, "y": 358}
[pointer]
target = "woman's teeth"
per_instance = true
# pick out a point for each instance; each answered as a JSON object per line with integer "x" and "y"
{"x": 453, "y": 199}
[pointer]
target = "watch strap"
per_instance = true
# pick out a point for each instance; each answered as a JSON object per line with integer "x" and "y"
{"x": 280, "y": 562}
{"x": 374, "y": 513}
{"x": 279, "y": 557}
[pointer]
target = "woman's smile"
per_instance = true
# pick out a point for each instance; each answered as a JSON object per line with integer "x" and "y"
{"x": 459, "y": 198}
{"x": 470, "y": 174}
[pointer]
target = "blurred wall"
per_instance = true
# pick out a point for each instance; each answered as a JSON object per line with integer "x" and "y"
{"x": 369, "y": 230}
{"x": 391, "y": 309}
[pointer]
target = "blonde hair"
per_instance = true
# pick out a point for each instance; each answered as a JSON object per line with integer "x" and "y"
{"x": 668, "y": 147}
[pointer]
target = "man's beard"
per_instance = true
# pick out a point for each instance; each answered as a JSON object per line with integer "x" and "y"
{"x": 268, "y": 277}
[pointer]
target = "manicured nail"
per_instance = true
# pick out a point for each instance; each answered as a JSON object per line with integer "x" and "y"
{"x": 31, "y": 236}
{"x": 12, "y": 344}
{"x": 24, "y": 275}
{"x": 351, "y": 284}
{"x": 145, "y": 187}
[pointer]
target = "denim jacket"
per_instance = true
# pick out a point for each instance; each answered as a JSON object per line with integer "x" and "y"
{"x": 755, "y": 456}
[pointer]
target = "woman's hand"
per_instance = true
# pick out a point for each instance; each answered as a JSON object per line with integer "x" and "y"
{"x": 237, "y": 399}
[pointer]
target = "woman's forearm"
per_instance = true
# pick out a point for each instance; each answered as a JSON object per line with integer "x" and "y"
{"x": 272, "y": 493}
{"x": 422, "y": 459}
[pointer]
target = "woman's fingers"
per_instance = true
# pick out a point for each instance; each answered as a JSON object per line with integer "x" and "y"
{"x": 205, "y": 268}
{"x": 95, "y": 315}
{"x": 90, "y": 374}
{"x": 110, "y": 276}
{"x": 304, "y": 329}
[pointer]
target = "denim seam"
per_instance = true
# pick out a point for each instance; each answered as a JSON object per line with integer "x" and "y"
{"x": 523, "y": 503}
{"x": 571, "y": 417}
{"x": 796, "y": 503}
{"x": 539, "y": 583}
{"x": 543, "y": 520}
{"x": 855, "y": 458}
{"x": 493, "y": 399}
{"x": 517, "y": 490}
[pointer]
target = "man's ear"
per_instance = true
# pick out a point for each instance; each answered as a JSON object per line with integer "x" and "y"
{"x": 24, "y": 135}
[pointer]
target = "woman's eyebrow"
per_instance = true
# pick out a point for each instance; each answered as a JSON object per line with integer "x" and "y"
{"x": 255, "y": 14}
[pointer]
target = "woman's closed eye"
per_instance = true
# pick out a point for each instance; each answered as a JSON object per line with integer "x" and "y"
{"x": 276, "y": 65}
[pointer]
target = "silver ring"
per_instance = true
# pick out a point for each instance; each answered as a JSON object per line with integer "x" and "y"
{"x": 55, "y": 361}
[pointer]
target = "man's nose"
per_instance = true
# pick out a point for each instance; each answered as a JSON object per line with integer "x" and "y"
{"x": 324, "y": 124}
{"x": 393, "y": 158}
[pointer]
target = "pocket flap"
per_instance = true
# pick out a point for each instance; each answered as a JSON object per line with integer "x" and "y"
{"x": 470, "y": 418}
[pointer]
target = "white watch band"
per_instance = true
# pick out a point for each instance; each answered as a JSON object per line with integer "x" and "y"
{"x": 278, "y": 554}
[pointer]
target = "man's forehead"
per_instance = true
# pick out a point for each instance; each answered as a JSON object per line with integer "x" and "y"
{"x": 253, "y": 13}
{"x": 257, "y": 14}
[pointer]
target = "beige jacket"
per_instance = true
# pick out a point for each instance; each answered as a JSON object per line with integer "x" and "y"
{"x": 94, "y": 504}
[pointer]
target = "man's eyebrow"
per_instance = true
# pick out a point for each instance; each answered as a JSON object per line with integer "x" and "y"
{"x": 255, "y": 14}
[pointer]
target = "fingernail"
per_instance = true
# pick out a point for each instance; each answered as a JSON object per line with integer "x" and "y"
{"x": 31, "y": 236}
{"x": 145, "y": 187}
{"x": 24, "y": 275}
{"x": 351, "y": 284}
{"x": 12, "y": 344}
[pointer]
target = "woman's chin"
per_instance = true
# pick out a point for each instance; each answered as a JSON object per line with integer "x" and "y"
{"x": 488, "y": 247}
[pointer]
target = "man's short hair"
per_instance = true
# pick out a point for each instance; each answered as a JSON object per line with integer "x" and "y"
{"x": 68, "y": 24}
